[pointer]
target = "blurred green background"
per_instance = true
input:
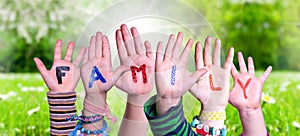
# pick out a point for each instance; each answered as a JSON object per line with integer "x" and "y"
{"x": 267, "y": 30}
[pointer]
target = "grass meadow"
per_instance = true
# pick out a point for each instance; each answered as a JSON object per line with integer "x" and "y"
{"x": 24, "y": 108}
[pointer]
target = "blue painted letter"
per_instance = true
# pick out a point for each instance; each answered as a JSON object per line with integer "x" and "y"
{"x": 173, "y": 73}
{"x": 98, "y": 76}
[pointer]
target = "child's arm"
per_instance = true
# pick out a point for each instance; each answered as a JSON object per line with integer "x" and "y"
{"x": 164, "y": 111}
{"x": 213, "y": 88}
{"x": 97, "y": 77}
{"x": 61, "y": 81}
{"x": 245, "y": 96}
{"x": 137, "y": 82}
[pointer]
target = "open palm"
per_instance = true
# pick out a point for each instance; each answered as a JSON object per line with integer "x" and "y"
{"x": 139, "y": 79}
{"x": 173, "y": 61}
{"x": 97, "y": 57}
{"x": 71, "y": 74}
{"x": 213, "y": 88}
{"x": 247, "y": 89}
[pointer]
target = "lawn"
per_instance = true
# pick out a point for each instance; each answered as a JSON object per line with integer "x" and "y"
{"x": 24, "y": 107}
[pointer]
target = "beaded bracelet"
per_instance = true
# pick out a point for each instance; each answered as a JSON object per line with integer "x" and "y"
{"x": 101, "y": 132}
{"x": 204, "y": 130}
{"x": 86, "y": 119}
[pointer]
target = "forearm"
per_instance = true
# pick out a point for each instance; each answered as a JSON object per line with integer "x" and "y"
{"x": 134, "y": 120}
{"x": 253, "y": 122}
{"x": 61, "y": 106}
{"x": 164, "y": 104}
{"x": 98, "y": 100}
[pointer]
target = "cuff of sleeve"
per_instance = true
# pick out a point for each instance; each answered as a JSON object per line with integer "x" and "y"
{"x": 164, "y": 124}
{"x": 61, "y": 106}
{"x": 61, "y": 98}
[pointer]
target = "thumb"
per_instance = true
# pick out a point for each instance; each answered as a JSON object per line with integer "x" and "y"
{"x": 40, "y": 66}
{"x": 193, "y": 78}
{"x": 119, "y": 72}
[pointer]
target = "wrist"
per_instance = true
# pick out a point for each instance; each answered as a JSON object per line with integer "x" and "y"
{"x": 135, "y": 108}
{"x": 213, "y": 116}
{"x": 93, "y": 126}
{"x": 137, "y": 100}
{"x": 96, "y": 99}
{"x": 250, "y": 112}
{"x": 212, "y": 108}
{"x": 253, "y": 122}
{"x": 164, "y": 104}
{"x": 61, "y": 90}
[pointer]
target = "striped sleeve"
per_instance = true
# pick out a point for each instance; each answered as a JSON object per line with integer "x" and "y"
{"x": 170, "y": 124}
{"x": 61, "y": 106}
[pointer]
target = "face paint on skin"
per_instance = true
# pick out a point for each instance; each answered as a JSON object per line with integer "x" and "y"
{"x": 173, "y": 73}
{"x": 211, "y": 83}
{"x": 135, "y": 69}
{"x": 96, "y": 77}
{"x": 60, "y": 74}
{"x": 244, "y": 87}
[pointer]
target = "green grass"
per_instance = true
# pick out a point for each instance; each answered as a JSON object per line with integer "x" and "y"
{"x": 14, "y": 119}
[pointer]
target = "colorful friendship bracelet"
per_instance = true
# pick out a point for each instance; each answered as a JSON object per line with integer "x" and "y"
{"x": 86, "y": 119}
{"x": 80, "y": 130}
{"x": 205, "y": 130}
{"x": 213, "y": 115}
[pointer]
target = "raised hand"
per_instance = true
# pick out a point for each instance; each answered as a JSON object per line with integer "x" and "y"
{"x": 140, "y": 62}
{"x": 63, "y": 75}
{"x": 245, "y": 96}
{"x": 171, "y": 75}
{"x": 213, "y": 88}
{"x": 247, "y": 89}
{"x": 96, "y": 71}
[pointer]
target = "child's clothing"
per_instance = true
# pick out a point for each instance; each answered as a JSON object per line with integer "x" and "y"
{"x": 61, "y": 106}
{"x": 171, "y": 123}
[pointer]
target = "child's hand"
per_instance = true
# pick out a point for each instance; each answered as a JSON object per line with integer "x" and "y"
{"x": 213, "y": 88}
{"x": 63, "y": 75}
{"x": 245, "y": 96}
{"x": 137, "y": 58}
{"x": 172, "y": 77}
{"x": 96, "y": 71}
{"x": 247, "y": 89}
